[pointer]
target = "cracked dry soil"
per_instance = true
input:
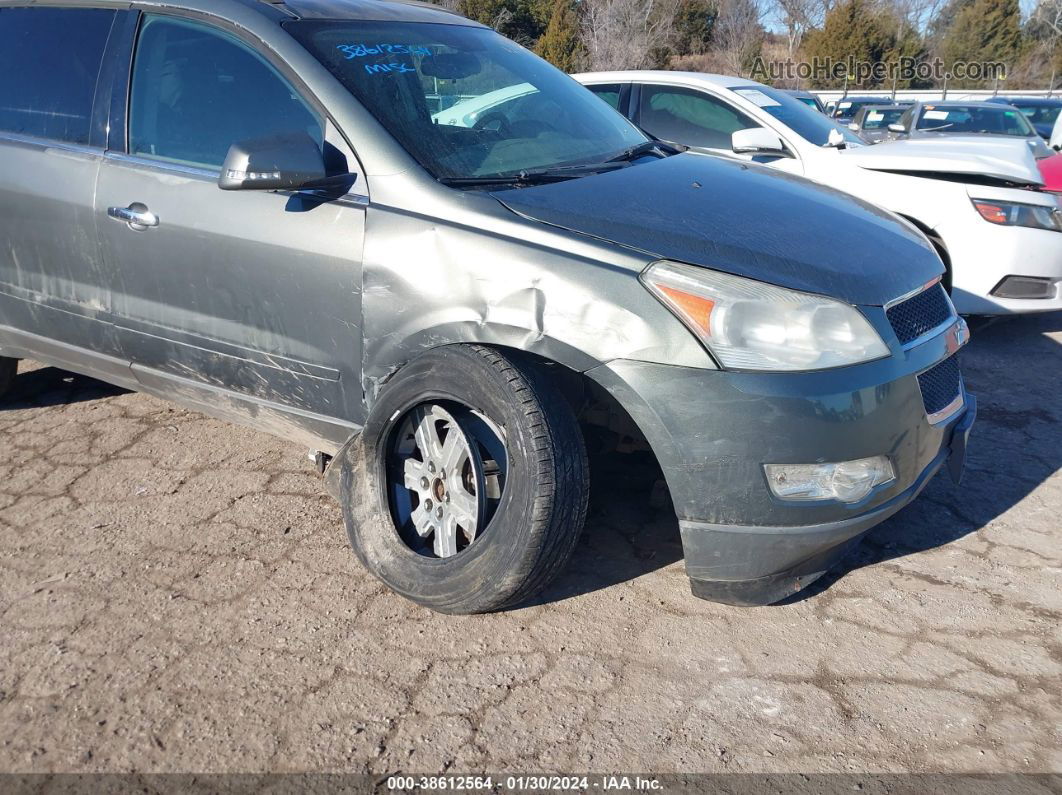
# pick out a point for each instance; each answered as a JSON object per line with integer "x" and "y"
{"x": 177, "y": 594}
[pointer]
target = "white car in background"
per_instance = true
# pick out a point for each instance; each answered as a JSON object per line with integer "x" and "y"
{"x": 977, "y": 199}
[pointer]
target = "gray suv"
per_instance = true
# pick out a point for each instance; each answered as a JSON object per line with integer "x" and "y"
{"x": 388, "y": 233}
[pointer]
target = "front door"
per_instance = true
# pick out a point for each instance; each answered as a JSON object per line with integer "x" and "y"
{"x": 251, "y": 294}
{"x": 699, "y": 120}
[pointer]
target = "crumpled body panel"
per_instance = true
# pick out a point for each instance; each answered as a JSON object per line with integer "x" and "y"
{"x": 486, "y": 275}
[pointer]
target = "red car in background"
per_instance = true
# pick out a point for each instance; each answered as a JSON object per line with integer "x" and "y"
{"x": 1051, "y": 170}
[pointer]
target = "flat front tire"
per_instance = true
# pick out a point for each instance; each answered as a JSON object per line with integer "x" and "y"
{"x": 467, "y": 490}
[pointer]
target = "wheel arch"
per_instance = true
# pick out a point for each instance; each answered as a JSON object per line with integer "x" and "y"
{"x": 938, "y": 244}
{"x": 599, "y": 412}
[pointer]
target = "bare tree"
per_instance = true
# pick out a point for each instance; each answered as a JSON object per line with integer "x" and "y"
{"x": 623, "y": 34}
{"x": 797, "y": 16}
{"x": 738, "y": 34}
{"x": 1048, "y": 13}
{"x": 915, "y": 15}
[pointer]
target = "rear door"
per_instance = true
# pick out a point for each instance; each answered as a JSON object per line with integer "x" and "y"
{"x": 54, "y": 291}
{"x": 615, "y": 94}
{"x": 254, "y": 294}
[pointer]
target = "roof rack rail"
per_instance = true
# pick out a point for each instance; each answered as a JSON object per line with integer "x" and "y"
{"x": 277, "y": 8}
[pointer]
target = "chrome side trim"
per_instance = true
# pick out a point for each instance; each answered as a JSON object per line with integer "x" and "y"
{"x": 354, "y": 200}
{"x": 161, "y": 165}
{"x": 45, "y": 144}
{"x": 913, "y": 293}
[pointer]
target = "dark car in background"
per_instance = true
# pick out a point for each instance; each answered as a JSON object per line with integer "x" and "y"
{"x": 809, "y": 99}
{"x": 847, "y": 107}
{"x": 872, "y": 122}
{"x": 1042, "y": 112}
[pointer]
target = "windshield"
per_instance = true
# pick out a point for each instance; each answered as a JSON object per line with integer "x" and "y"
{"x": 996, "y": 120}
{"x": 809, "y": 124}
{"x": 849, "y": 108}
{"x": 1040, "y": 114}
{"x": 466, "y": 102}
{"x": 880, "y": 119}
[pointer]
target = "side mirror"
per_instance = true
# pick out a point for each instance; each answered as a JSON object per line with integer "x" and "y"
{"x": 897, "y": 128}
{"x": 853, "y": 127}
{"x": 282, "y": 162}
{"x": 757, "y": 141}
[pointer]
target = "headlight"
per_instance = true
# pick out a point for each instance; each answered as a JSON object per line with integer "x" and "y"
{"x": 749, "y": 325}
{"x": 1014, "y": 214}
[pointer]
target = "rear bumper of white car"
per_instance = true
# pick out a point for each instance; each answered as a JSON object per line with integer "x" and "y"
{"x": 986, "y": 257}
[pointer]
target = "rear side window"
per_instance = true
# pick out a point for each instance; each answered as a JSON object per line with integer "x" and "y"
{"x": 197, "y": 91}
{"x": 49, "y": 65}
{"x": 609, "y": 92}
{"x": 688, "y": 117}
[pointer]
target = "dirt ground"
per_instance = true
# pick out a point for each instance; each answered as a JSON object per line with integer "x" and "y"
{"x": 177, "y": 594}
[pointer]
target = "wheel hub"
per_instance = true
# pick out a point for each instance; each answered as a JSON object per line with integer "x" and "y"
{"x": 445, "y": 473}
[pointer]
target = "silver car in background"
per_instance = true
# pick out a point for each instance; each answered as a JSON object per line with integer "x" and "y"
{"x": 968, "y": 118}
{"x": 390, "y": 234}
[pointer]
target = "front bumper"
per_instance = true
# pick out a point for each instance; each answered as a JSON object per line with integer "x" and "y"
{"x": 712, "y": 432}
{"x": 983, "y": 254}
{"x": 775, "y": 562}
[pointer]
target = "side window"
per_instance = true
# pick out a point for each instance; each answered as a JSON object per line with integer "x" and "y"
{"x": 609, "y": 92}
{"x": 196, "y": 91}
{"x": 49, "y": 64}
{"x": 689, "y": 117}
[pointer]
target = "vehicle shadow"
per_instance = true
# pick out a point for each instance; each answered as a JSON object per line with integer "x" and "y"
{"x": 49, "y": 386}
{"x": 631, "y": 528}
{"x": 1013, "y": 368}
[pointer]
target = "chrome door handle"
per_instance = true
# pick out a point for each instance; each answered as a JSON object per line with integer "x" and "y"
{"x": 136, "y": 215}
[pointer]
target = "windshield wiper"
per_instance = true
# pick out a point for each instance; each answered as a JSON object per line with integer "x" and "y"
{"x": 537, "y": 176}
{"x": 645, "y": 148}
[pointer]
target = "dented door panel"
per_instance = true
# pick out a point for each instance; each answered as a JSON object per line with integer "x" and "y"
{"x": 253, "y": 292}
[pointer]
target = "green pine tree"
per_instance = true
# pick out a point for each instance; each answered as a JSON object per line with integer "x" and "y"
{"x": 983, "y": 30}
{"x": 864, "y": 32}
{"x": 523, "y": 21}
{"x": 561, "y": 44}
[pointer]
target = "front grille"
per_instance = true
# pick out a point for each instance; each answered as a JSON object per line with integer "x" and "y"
{"x": 919, "y": 314}
{"x": 940, "y": 385}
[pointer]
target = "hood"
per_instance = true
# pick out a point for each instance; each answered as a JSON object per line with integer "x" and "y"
{"x": 1009, "y": 159}
{"x": 741, "y": 219}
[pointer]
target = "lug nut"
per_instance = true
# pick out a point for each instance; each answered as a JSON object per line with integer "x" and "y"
{"x": 424, "y": 483}
{"x": 439, "y": 512}
{"x": 431, "y": 467}
{"x": 427, "y": 505}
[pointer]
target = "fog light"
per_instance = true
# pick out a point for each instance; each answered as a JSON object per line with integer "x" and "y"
{"x": 846, "y": 481}
{"x": 1024, "y": 287}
